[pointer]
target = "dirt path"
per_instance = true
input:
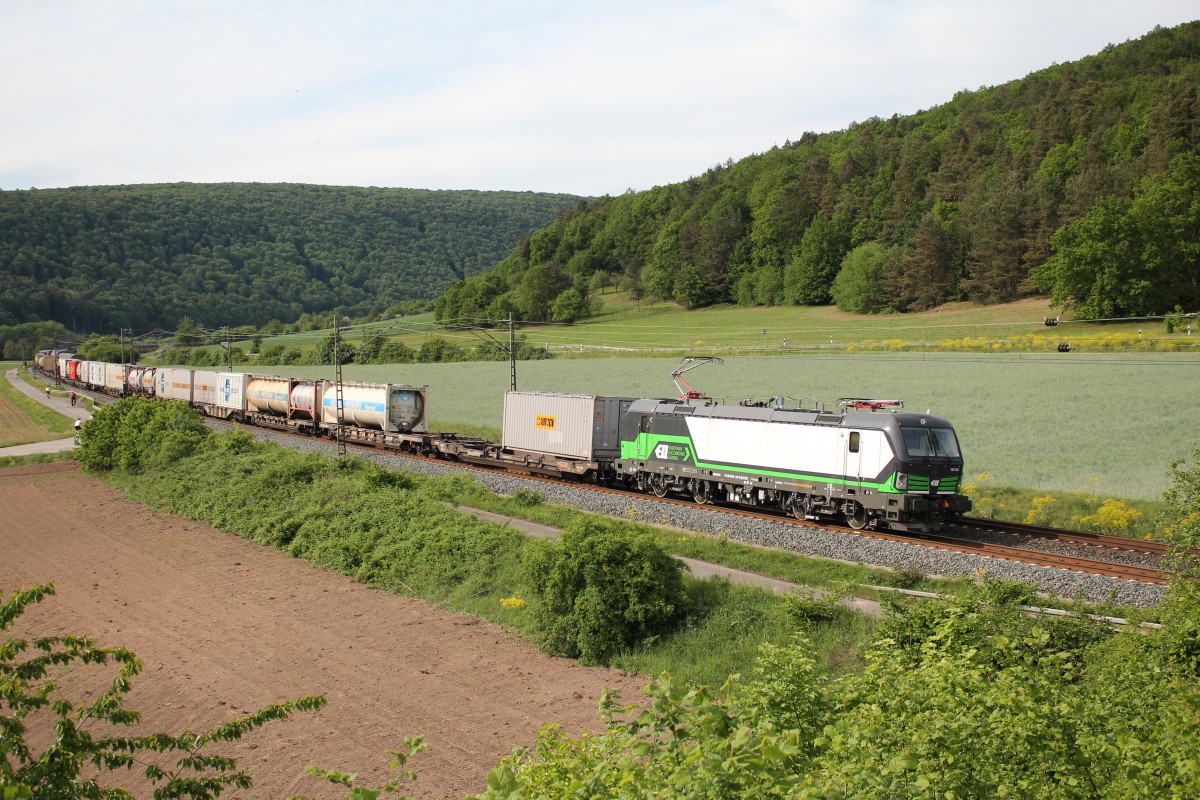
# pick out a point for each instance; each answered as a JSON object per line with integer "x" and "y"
{"x": 225, "y": 626}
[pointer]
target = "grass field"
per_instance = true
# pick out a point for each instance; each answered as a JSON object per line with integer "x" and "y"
{"x": 629, "y": 328}
{"x": 1101, "y": 423}
{"x": 24, "y": 421}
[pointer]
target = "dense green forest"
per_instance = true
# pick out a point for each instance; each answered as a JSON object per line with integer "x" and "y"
{"x": 141, "y": 257}
{"x": 1081, "y": 181}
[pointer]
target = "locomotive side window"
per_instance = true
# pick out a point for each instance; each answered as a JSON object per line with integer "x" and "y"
{"x": 854, "y": 440}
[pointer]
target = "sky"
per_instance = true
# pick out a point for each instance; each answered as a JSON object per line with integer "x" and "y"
{"x": 581, "y": 97}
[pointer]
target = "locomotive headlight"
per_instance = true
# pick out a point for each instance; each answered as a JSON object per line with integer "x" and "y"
{"x": 901, "y": 481}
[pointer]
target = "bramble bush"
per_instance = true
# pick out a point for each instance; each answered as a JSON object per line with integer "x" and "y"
{"x": 598, "y": 590}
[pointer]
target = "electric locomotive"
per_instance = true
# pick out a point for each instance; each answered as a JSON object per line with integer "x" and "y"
{"x": 870, "y": 463}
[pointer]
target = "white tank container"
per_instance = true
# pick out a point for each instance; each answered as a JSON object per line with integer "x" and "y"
{"x": 147, "y": 383}
{"x": 133, "y": 379}
{"x": 304, "y": 399}
{"x": 268, "y": 395}
{"x": 378, "y": 406}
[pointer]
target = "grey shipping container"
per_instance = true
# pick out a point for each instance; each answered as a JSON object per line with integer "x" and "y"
{"x": 576, "y": 425}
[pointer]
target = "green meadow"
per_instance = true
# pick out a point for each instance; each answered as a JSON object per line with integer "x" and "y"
{"x": 628, "y": 328}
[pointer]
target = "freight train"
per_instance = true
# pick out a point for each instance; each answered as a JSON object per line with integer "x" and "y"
{"x": 870, "y": 462}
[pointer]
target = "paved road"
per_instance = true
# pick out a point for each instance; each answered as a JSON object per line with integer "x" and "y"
{"x": 60, "y": 401}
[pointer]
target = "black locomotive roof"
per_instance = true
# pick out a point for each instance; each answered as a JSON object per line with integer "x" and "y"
{"x": 865, "y": 420}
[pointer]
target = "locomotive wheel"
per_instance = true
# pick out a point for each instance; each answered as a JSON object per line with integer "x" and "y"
{"x": 701, "y": 492}
{"x": 658, "y": 485}
{"x": 798, "y": 508}
{"x": 856, "y": 517}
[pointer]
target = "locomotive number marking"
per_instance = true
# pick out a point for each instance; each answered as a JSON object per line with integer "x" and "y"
{"x": 546, "y": 422}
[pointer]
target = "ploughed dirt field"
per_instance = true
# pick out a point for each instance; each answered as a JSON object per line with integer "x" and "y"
{"x": 224, "y": 626}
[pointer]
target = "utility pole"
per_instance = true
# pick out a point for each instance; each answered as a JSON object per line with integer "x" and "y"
{"x": 124, "y": 365}
{"x": 512, "y": 354}
{"x": 339, "y": 432}
{"x": 228, "y": 345}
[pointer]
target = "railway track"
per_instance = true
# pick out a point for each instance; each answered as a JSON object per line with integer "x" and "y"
{"x": 1077, "y": 537}
{"x": 945, "y": 541}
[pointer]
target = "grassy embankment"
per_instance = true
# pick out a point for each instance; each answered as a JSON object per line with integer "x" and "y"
{"x": 25, "y": 421}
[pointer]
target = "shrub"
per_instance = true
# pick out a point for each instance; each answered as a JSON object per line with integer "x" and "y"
{"x": 137, "y": 432}
{"x": 598, "y": 590}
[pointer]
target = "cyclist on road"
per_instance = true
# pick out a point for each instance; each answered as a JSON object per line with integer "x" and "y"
{"x": 72, "y": 398}
{"x": 47, "y": 392}
{"x": 78, "y": 424}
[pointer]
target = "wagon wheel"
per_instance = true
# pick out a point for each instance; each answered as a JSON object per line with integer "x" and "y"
{"x": 658, "y": 485}
{"x": 856, "y": 516}
{"x": 701, "y": 492}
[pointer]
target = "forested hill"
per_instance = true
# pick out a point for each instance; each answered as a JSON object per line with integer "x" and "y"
{"x": 140, "y": 257}
{"x": 959, "y": 202}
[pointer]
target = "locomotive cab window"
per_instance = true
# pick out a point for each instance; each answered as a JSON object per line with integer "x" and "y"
{"x": 854, "y": 441}
{"x": 929, "y": 442}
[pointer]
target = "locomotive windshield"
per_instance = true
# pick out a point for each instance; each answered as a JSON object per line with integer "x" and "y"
{"x": 926, "y": 442}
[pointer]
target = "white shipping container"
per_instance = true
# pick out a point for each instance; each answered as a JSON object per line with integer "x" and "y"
{"x": 576, "y": 425}
{"x": 114, "y": 378}
{"x": 231, "y": 390}
{"x": 95, "y": 374}
{"x": 173, "y": 383}
{"x": 204, "y": 387}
